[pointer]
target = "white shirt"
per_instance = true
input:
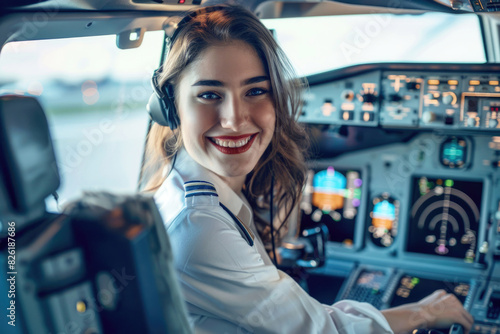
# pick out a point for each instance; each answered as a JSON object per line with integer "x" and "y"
{"x": 230, "y": 286}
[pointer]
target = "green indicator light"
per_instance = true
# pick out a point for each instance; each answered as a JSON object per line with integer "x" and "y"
{"x": 415, "y": 280}
{"x": 448, "y": 183}
{"x": 357, "y": 193}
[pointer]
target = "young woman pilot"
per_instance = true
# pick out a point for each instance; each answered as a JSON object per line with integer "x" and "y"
{"x": 227, "y": 101}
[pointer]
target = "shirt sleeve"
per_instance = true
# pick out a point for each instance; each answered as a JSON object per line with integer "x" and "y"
{"x": 222, "y": 277}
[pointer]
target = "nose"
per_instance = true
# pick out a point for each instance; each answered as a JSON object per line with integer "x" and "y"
{"x": 233, "y": 114}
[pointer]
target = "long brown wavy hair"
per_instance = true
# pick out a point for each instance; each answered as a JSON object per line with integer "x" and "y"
{"x": 283, "y": 161}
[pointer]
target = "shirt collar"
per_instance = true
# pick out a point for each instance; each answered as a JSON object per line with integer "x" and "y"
{"x": 190, "y": 170}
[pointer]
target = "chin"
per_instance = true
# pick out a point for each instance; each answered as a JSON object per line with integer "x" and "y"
{"x": 234, "y": 168}
{"x": 235, "y": 173}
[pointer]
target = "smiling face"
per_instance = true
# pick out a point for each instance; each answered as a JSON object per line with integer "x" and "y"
{"x": 226, "y": 110}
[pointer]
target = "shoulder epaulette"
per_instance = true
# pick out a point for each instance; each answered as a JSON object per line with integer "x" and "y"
{"x": 205, "y": 188}
{"x": 199, "y": 188}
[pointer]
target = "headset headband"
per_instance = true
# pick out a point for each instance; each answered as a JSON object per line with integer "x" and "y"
{"x": 186, "y": 19}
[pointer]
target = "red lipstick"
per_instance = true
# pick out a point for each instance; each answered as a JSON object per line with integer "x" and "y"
{"x": 233, "y": 150}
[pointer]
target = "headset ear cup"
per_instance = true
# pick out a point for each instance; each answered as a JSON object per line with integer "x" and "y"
{"x": 161, "y": 105}
{"x": 155, "y": 110}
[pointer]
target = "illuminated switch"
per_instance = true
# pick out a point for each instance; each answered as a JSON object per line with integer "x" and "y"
{"x": 347, "y": 115}
{"x": 327, "y": 108}
{"x": 367, "y": 116}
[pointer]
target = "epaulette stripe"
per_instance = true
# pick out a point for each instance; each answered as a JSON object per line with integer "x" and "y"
{"x": 246, "y": 232}
{"x": 198, "y": 181}
{"x": 189, "y": 188}
{"x": 200, "y": 193}
{"x": 199, "y": 188}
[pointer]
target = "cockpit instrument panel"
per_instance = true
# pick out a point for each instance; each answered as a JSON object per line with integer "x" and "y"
{"x": 419, "y": 210}
{"x": 423, "y": 96}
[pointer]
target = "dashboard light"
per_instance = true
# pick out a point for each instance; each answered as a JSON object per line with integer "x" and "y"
{"x": 452, "y": 82}
{"x": 493, "y": 82}
{"x": 81, "y": 306}
{"x": 474, "y": 82}
{"x": 433, "y": 82}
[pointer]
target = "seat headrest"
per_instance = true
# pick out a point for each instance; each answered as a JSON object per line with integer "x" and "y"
{"x": 27, "y": 159}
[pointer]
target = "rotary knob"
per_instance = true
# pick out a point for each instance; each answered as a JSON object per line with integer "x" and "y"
{"x": 447, "y": 99}
{"x": 429, "y": 117}
{"x": 471, "y": 122}
{"x": 347, "y": 95}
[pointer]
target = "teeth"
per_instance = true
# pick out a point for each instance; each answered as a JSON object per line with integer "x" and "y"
{"x": 232, "y": 143}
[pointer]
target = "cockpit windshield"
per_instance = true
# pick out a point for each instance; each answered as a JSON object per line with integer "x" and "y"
{"x": 319, "y": 44}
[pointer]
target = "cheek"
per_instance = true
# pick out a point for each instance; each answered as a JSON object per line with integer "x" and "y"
{"x": 195, "y": 120}
{"x": 267, "y": 117}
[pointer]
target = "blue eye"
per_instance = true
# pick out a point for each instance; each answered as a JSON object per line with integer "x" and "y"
{"x": 209, "y": 96}
{"x": 256, "y": 92}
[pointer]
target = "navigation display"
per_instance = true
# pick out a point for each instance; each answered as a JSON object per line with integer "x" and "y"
{"x": 444, "y": 217}
{"x": 332, "y": 197}
{"x": 412, "y": 289}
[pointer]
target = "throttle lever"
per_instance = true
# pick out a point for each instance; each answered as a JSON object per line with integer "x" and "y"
{"x": 456, "y": 329}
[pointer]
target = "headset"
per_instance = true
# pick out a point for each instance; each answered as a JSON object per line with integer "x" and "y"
{"x": 161, "y": 105}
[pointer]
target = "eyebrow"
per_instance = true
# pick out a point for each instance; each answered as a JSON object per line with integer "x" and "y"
{"x": 256, "y": 80}
{"x": 217, "y": 83}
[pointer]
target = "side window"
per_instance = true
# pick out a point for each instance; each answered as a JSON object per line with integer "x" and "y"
{"x": 95, "y": 97}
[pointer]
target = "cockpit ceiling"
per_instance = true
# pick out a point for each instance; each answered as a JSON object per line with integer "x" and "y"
{"x": 297, "y": 8}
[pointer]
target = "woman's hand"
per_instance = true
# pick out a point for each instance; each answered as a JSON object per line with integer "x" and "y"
{"x": 441, "y": 309}
{"x": 438, "y": 310}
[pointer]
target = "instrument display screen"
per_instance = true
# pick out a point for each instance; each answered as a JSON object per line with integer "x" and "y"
{"x": 444, "y": 217}
{"x": 332, "y": 197}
